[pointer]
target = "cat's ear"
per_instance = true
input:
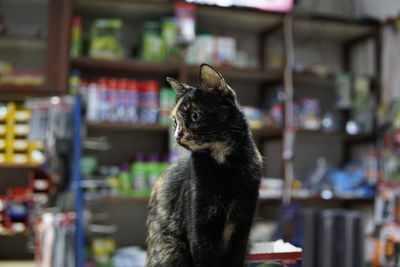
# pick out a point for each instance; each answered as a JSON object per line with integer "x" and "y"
{"x": 179, "y": 87}
{"x": 211, "y": 79}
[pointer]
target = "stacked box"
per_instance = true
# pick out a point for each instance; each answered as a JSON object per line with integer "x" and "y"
{"x": 15, "y": 148}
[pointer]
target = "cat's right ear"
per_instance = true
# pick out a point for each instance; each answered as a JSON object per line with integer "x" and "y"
{"x": 178, "y": 87}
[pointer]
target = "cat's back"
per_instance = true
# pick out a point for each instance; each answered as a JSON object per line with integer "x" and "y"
{"x": 170, "y": 186}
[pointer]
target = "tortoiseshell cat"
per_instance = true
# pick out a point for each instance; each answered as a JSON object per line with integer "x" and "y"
{"x": 201, "y": 210}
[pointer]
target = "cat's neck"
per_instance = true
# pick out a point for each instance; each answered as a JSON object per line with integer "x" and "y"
{"x": 227, "y": 152}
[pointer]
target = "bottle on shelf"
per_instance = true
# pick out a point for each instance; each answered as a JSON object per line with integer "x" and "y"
{"x": 76, "y": 37}
{"x": 102, "y": 110}
{"x": 138, "y": 175}
{"x": 93, "y": 103}
{"x": 121, "y": 91}
{"x": 149, "y": 102}
{"x": 132, "y": 102}
{"x": 112, "y": 97}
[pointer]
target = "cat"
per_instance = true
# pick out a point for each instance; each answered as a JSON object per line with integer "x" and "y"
{"x": 201, "y": 209}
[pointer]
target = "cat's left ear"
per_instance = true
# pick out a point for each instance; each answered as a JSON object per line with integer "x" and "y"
{"x": 211, "y": 79}
{"x": 180, "y": 88}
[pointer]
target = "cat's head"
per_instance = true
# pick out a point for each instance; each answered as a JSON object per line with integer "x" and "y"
{"x": 206, "y": 116}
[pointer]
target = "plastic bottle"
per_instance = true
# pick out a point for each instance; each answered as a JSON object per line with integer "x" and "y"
{"x": 102, "y": 98}
{"x": 153, "y": 46}
{"x": 132, "y": 102}
{"x": 112, "y": 97}
{"x": 124, "y": 181}
{"x": 153, "y": 170}
{"x": 121, "y": 95}
{"x": 167, "y": 102}
{"x": 138, "y": 175}
{"x": 93, "y": 105}
{"x": 76, "y": 37}
{"x": 74, "y": 82}
{"x": 149, "y": 102}
{"x": 83, "y": 91}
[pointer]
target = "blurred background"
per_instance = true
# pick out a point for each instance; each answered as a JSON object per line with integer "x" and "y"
{"x": 85, "y": 127}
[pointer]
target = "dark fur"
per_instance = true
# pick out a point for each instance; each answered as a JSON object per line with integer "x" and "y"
{"x": 201, "y": 210}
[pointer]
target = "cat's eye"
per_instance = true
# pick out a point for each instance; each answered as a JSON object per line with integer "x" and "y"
{"x": 195, "y": 116}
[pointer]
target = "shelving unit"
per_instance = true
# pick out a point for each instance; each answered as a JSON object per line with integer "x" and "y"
{"x": 345, "y": 33}
{"x": 18, "y": 166}
{"x": 128, "y": 126}
{"x": 22, "y": 42}
{"x": 18, "y": 90}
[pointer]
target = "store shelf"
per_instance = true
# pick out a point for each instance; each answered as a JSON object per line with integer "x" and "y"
{"x": 172, "y": 68}
{"x": 237, "y": 18}
{"x": 126, "y": 66}
{"x": 17, "y": 166}
{"x": 333, "y": 28}
{"x": 22, "y": 42}
{"x": 362, "y": 138}
{"x": 129, "y": 199}
{"x": 243, "y": 74}
{"x": 318, "y": 80}
{"x": 9, "y": 263}
{"x": 320, "y": 200}
{"x": 268, "y": 133}
{"x": 334, "y": 200}
{"x": 309, "y": 200}
{"x": 154, "y": 127}
{"x": 9, "y": 89}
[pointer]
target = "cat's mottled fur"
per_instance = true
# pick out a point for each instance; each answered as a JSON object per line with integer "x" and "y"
{"x": 201, "y": 210}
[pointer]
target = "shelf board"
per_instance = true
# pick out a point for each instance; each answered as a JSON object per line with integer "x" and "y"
{"x": 314, "y": 79}
{"x": 343, "y": 135}
{"x": 126, "y": 9}
{"x": 332, "y": 28}
{"x": 270, "y": 133}
{"x": 172, "y": 68}
{"x": 309, "y": 200}
{"x": 126, "y": 65}
{"x": 319, "y": 200}
{"x": 133, "y": 199}
{"x": 23, "y": 42}
{"x": 267, "y": 133}
{"x": 18, "y": 166}
{"x": 26, "y": 90}
{"x": 156, "y": 127}
{"x": 247, "y": 74}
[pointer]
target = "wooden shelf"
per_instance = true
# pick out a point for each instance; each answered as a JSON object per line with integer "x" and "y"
{"x": 333, "y": 28}
{"x": 343, "y": 135}
{"x": 126, "y": 66}
{"x": 22, "y": 42}
{"x": 129, "y": 66}
{"x": 18, "y": 166}
{"x": 172, "y": 68}
{"x": 310, "y": 200}
{"x": 248, "y": 74}
{"x": 156, "y": 127}
{"x": 268, "y": 133}
{"x": 333, "y": 200}
{"x": 20, "y": 89}
{"x": 133, "y": 199}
